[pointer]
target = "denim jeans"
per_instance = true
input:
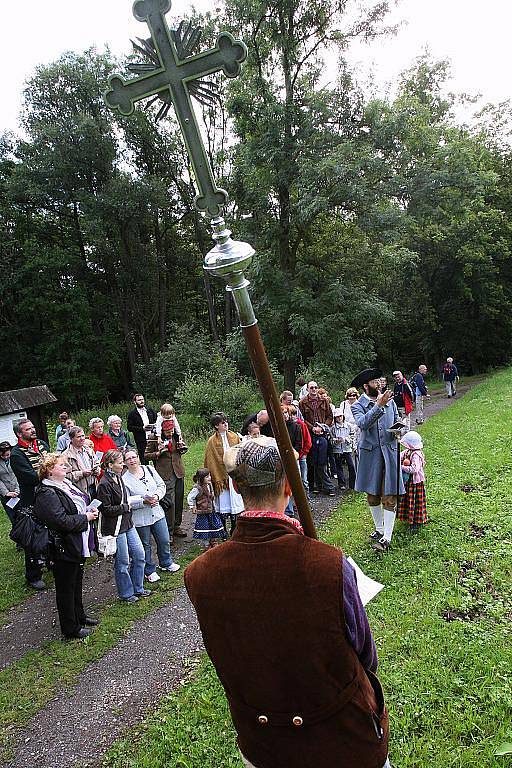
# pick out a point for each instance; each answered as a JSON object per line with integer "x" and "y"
{"x": 129, "y": 564}
{"x": 346, "y": 458}
{"x": 160, "y": 533}
{"x": 322, "y": 480}
{"x": 420, "y": 417}
{"x": 303, "y": 466}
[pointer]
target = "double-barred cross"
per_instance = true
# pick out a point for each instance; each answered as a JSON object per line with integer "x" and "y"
{"x": 172, "y": 79}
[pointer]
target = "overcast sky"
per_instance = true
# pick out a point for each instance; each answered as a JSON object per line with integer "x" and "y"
{"x": 474, "y": 35}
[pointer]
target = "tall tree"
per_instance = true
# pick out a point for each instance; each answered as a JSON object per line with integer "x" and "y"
{"x": 288, "y": 127}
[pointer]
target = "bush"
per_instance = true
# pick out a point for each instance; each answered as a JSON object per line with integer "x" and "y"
{"x": 188, "y": 352}
{"x": 220, "y": 388}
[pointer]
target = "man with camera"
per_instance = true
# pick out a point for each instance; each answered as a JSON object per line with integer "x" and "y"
{"x": 375, "y": 414}
{"x": 317, "y": 415}
{"x": 26, "y": 456}
{"x": 165, "y": 453}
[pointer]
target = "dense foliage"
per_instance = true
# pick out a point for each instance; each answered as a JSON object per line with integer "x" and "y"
{"x": 381, "y": 227}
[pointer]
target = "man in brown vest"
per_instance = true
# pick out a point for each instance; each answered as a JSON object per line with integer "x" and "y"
{"x": 284, "y": 626}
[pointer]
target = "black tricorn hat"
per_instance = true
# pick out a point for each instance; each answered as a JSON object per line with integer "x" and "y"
{"x": 365, "y": 376}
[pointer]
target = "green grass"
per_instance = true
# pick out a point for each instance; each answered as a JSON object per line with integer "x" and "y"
{"x": 448, "y": 684}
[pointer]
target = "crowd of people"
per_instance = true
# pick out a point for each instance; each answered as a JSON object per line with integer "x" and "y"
{"x": 128, "y": 483}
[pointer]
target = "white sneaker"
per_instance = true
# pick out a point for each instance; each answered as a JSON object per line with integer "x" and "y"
{"x": 172, "y": 568}
{"x": 153, "y": 577}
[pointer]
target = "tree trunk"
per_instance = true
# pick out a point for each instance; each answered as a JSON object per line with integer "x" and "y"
{"x": 130, "y": 348}
{"x": 162, "y": 282}
{"x": 227, "y": 312}
{"x": 289, "y": 365}
{"x": 212, "y": 317}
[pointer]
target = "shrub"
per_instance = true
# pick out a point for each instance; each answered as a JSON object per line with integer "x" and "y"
{"x": 188, "y": 352}
{"x": 220, "y": 388}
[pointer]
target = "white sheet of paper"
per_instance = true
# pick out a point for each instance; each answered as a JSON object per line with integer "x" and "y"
{"x": 95, "y": 503}
{"x": 135, "y": 500}
{"x": 12, "y": 502}
{"x": 367, "y": 587}
{"x": 99, "y": 455}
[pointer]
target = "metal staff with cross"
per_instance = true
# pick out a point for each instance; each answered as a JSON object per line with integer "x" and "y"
{"x": 172, "y": 76}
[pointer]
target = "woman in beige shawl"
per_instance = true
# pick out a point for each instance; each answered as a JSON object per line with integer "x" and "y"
{"x": 228, "y": 503}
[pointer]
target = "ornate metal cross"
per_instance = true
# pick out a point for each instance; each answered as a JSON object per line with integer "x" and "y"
{"x": 172, "y": 75}
{"x": 171, "y": 78}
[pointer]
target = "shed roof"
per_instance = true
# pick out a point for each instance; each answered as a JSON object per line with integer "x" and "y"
{"x": 20, "y": 399}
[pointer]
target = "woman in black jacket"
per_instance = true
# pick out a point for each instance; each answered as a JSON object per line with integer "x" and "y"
{"x": 116, "y": 520}
{"x": 63, "y": 508}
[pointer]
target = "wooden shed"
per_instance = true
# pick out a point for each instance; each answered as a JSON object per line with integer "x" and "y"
{"x": 25, "y": 403}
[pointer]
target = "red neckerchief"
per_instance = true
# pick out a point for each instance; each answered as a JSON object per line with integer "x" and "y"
{"x": 275, "y": 515}
{"x": 33, "y": 444}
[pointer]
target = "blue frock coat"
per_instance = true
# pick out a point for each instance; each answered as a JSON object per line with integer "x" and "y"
{"x": 378, "y": 448}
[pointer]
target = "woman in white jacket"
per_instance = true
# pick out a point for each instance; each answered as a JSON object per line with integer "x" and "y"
{"x": 145, "y": 484}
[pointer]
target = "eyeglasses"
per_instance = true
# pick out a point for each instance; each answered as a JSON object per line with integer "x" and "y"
{"x": 352, "y": 395}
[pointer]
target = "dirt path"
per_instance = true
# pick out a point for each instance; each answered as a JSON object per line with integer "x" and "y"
{"x": 35, "y": 621}
{"x": 118, "y": 691}
{"x": 114, "y": 692}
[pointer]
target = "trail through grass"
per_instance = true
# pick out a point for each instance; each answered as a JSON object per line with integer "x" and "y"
{"x": 442, "y": 624}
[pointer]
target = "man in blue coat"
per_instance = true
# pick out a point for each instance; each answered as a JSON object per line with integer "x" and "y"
{"x": 377, "y": 471}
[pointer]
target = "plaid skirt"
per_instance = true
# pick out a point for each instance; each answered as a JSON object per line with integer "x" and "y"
{"x": 412, "y": 506}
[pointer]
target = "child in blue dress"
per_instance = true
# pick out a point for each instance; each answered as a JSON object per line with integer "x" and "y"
{"x": 208, "y": 527}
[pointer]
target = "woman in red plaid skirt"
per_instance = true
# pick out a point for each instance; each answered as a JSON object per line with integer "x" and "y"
{"x": 412, "y": 506}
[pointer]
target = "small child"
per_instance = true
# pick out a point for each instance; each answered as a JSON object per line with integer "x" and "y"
{"x": 253, "y": 431}
{"x": 342, "y": 449}
{"x": 412, "y": 506}
{"x": 208, "y": 526}
{"x": 167, "y": 413}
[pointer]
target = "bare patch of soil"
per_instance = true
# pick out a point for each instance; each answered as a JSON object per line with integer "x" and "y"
{"x": 477, "y": 531}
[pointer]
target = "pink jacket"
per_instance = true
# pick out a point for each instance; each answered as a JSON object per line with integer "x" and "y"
{"x": 415, "y": 468}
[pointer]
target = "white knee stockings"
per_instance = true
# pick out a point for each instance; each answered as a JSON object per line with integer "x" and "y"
{"x": 378, "y": 518}
{"x": 389, "y": 523}
{"x": 384, "y": 521}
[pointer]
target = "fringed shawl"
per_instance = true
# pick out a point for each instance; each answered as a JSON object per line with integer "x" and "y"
{"x": 214, "y": 460}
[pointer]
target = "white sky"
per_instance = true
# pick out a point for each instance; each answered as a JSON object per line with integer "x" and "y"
{"x": 475, "y": 35}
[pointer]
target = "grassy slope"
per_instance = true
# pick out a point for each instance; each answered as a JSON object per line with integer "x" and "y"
{"x": 448, "y": 684}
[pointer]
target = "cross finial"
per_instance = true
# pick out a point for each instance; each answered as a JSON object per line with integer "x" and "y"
{"x": 171, "y": 78}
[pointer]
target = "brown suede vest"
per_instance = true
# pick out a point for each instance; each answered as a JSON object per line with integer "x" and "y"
{"x": 270, "y": 607}
{"x": 204, "y": 500}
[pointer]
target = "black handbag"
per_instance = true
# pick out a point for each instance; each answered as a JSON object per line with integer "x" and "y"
{"x": 30, "y": 533}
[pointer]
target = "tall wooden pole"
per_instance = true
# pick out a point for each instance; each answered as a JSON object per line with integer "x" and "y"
{"x": 268, "y": 389}
{"x": 228, "y": 260}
